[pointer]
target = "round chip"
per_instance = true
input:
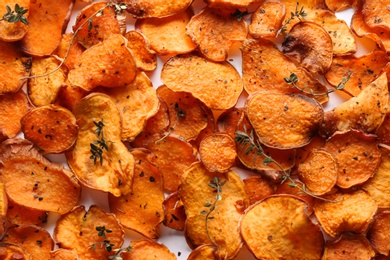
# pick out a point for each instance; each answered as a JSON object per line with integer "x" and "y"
{"x": 348, "y": 247}
{"x": 285, "y": 188}
{"x": 156, "y": 8}
{"x": 376, "y": 14}
{"x": 203, "y": 252}
{"x": 378, "y": 233}
{"x": 144, "y": 249}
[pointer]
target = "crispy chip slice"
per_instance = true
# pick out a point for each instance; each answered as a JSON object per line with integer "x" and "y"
{"x": 14, "y": 67}
{"x": 84, "y": 231}
{"x": 203, "y": 252}
{"x": 156, "y": 8}
{"x": 283, "y": 121}
{"x": 285, "y": 188}
{"x": 4, "y": 207}
{"x": 141, "y": 209}
{"x": 383, "y": 131}
{"x": 264, "y": 67}
{"x": 145, "y": 249}
{"x": 51, "y": 128}
{"x": 168, "y": 35}
{"x": 68, "y": 96}
{"x": 145, "y": 58}
{"x": 227, "y": 122}
{"x": 364, "y": 70}
{"x": 13, "y": 107}
{"x": 258, "y": 188}
{"x": 174, "y": 213}
{"x": 44, "y": 35}
{"x": 64, "y": 254}
{"x": 302, "y": 152}
{"x": 230, "y": 4}
{"x": 378, "y": 233}
{"x": 344, "y": 212}
{"x": 9, "y": 31}
{"x": 375, "y": 14}
{"x": 28, "y": 175}
{"x": 108, "y": 64}
{"x": 197, "y": 196}
{"x": 278, "y": 227}
{"x": 12, "y": 252}
{"x": 219, "y": 90}
{"x": 340, "y": 5}
{"x": 23, "y": 216}
{"x": 112, "y": 170}
{"x": 137, "y": 102}
{"x": 216, "y": 31}
{"x": 74, "y": 53}
{"x": 310, "y": 46}
{"x": 187, "y": 114}
{"x": 267, "y": 19}
{"x": 348, "y": 247}
{"x": 35, "y": 240}
{"x": 208, "y": 130}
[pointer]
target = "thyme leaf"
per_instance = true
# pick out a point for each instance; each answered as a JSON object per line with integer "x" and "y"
{"x": 299, "y": 14}
{"x": 16, "y": 15}
{"x": 97, "y": 147}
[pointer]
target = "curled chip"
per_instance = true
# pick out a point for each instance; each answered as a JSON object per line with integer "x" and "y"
{"x": 108, "y": 64}
{"x": 278, "y": 227}
{"x": 378, "y": 235}
{"x": 375, "y": 14}
{"x": 51, "y": 128}
{"x": 137, "y": 102}
{"x": 258, "y": 188}
{"x": 203, "y": 252}
{"x": 218, "y": 152}
{"x": 213, "y": 216}
{"x": 358, "y": 156}
{"x": 340, "y": 5}
{"x": 11, "y": 252}
{"x": 141, "y": 209}
{"x": 145, "y": 249}
{"x": 348, "y": 247}
{"x": 44, "y": 35}
{"x": 93, "y": 234}
{"x": 156, "y": 8}
{"x": 218, "y": 85}
{"x": 75, "y": 50}
{"x": 33, "y": 181}
{"x": 35, "y": 240}
{"x": 267, "y": 19}
{"x": 13, "y": 107}
{"x": 215, "y": 31}
{"x": 23, "y": 216}
{"x": 309, "y": 45}
{"x": 168, "y": 35}
{"x": 99, "y": 159}
{"x": 174, "y": 213}
{"x": 10, "y": 31}
{"x": 264, "y": 67}
{"x": 64, "y": 254}
{"x": 69, "y": 96}
{"x": 14, "y": 67}
{"x": 298, "y": 118}
{"x": 363, "y": 70}
{"x": 145, "y": 58}
{"x": 345, "y": 212}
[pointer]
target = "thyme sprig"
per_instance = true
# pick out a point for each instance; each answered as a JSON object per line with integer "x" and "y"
{"x": 216, "y": 184}
{"x": 180, "y": 113}
{"x": 98, "y": 147}
{"x": 14, "y": 16}
{"x": 299, "y": 14}
{"x": 240, "y": 14}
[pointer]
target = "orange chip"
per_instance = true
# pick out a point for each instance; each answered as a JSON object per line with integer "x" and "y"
{"x": 203, "y": 252}
{"x": 378, "y": 233}
{"x": 10, "y": 252}
{"x": 278, "y": 227}
{"x": 145, "y": 249}
{"x": 302, "y": 152}
{"x": 230, "y": 4}
{"x": 376, "y": 14}
{"x": 51, "y": 128}
{"x": 219, "y": 89}
{"x": 216, "y": 31}
{"x": 156, "y": 8}
{"x": 383, "y": 131}
{"x": 285, "y": 188}
{"x": 208, "y": 130}
{"x": 348, "y": 247}
{"x": 141, "y": 209}
{"x": 64, "y": 254}
{"x": 228, "y": 121}
{"x": 24, "y": 216}
{"x": 68, "y": 96}
{"x": 258, "y": 188}
{"x": 9, "y": 31}
{"x": 345, "y": 212}
{"x": 75, "y": 50}
{"x": 168, "y": 35}
{"x": 340, "y": 5}
{"x": 174, "y": 214}
{"x": 145, "y": 58}
{"x": 4, "y": 207}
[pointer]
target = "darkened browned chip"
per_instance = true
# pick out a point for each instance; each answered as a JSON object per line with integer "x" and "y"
{"x": 174, "y": 213}
{"x": 378, "y": 233}
{"x": 24, "y": 216}
{"x": 74, "y": 52}
{"x": 145, "y": 58}
{"x": 227, "y": 122}
{"x": 156, "y": 8}
{"x": 348, "y": 247}
{"x": 375, "y": 14}
{"x": 203, "y": 252}
{"x": 10, "y": 31}
{"x": 10, "y": 252}
{"x": 145, "y": 249}
{"x": 258, "y": 188}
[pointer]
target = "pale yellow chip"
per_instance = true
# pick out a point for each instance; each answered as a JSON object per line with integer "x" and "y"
{"x": 156, "y": 8}
{"x": 348, "y": 247}
{"x": 145, "y": 58}
{"x": 378, "y": 235}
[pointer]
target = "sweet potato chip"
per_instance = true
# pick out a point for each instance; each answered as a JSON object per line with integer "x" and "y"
{"x": 283, "y": 121}
{"x": 278, "y": 227}
{"x": 302, "y": 152}
{"x": 220, "y": 89}
{"x": 141, "y": 210}
{"x": 375, "y": 14}
{"x": 145, "y": 249}
{"x": 156, "y": 8}
{"x": 340, "y": 5}
{"x": 264, "y": 67}
{"x": 378, "y": 235}
{"x": 12, "y": 108}
{"x": 174, "y": 213}
{"x": 213, "y": 217}
{"x": 74, "y": 53}
{"x": 203, "y": 252}
{"x": 33, "y": 181}
{"x": 168, "y": 35}
{"x": 23, "y": 216}
{"x": 14, "y": 68}
{"x": 10, "y": 31}
{"x": 258, "y": 188}
{"x": 216, "y": 31}
{"x": 383, "y": 131}
{"x": 267, "y": 19}
{"x": 208, "y": 130}
{"x": 51, "y": 128}
{"x": 44, "y": 35}
{"x": 145, "y": 58}
{"x": 348, "y": 247}
{"x": 99, "y": 159}
{"x": 137, "y": 102}
{"x": 228, "y": 121}
{"x": 344, "y": 212}
{"x": 230, "y": 4}
{"x": 11, "y": 252}
{"x": 108, "y": 64}
{"x": 310, "y": 46}
{"x": 68, "y": 96}
{"x": 3, "y": 207}
{"x": 64, "y": 254}
{"x": 363, "y": 70}
{"x": 85, "y": 232}
{"x": 35, "y": 240}
{"x": 285, "y": 188}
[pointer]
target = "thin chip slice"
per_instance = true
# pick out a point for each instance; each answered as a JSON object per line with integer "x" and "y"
{"x": 278, "y": 227}
{"x": 208, "y": 130}
{"x": 228, "y": 121}
{"x": 35, "y": 240}
{"x": 108, "y": 64}
{"x": 145, "y": 249}
{"x": 10, "y": 31}
{"x": 74, "y": 52}
{"x": 24, "y": 216}
{"x": 340, "y": 5}
{"x": 285, "y": 188}
{"x": 203, "y": 252}
{"x": 3, "y": 207}
{"x": 11, "y": 252}
{"x": 156, "y": 8}
{"x": 85, "y": 232}
{"x": 33, "y": 181}
{"x": 345, "y": 212}
{"x": 99, "y": 159}
{"x": 348, "y": 247}
{"x": 230, "y": 4}
{"x": 216, "y": 31}
{"x": 264, "y": 67}
{"x": 174, "y": 213}
{"x": 64, "y": 254}
{"x": 68, "y": 96}
{"x": 283, "y": 121}
{"x": 145, "y": 58}
{"x": 383, "y": 131}
{"x": 376, "y": 14}
{"x": 302, "y": 152}
{"x": 198, "y": 194}
{"x": 168, "y": 35}
{"x": 258, "y": 188}
{"x": 141, "y": 210}
{"x": 378, "y": 235}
